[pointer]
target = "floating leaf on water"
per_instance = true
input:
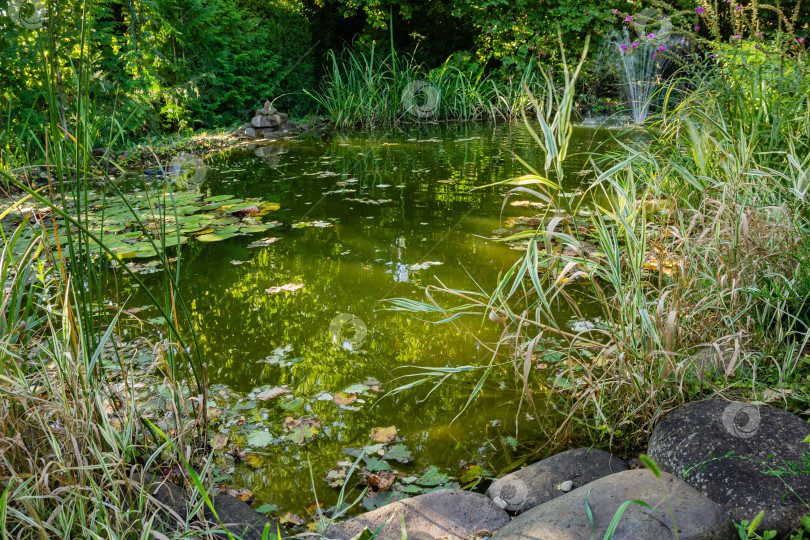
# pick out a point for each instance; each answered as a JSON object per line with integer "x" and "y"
{"x": 424, "y": 265}
{"x": 241, "y": 494}
{"x": 301, "y": 429}
{"x": 318, "y": 224}
{"x": 510, "y": 441}
{"x": 273, "y": 393}
{"x": 217, "y": 198}
{"x": 214, "y": 237}
{"x": 219, "y": 441}
{"x": 254, "y": 460}
{"x": 335, "y": 477}
{"x": 344, "y": 399}
{"x": 471, "y": 473}
{"x": 384, "y": 434}
{"x": 356, "y": 389}
{"x": 292, "y": 403}
{"x": 288, "y": 287}
{"x": 267, "y": 508}
{"x": 250, "y": 229}
{"x": 374, "y": 465}
{"x": 376, "y": 500}
{"x": 260, "y": 439}
{"x": 263, "y": 242}
{"x": 291, "y": 519}
{"x": 398, "y": 452}
{"x": 432, "y": 477}
{"x": 381, "y": 481}
{"x": 374, "y": 449}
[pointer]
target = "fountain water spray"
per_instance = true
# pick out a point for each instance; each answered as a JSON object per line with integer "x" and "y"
{"x": 646, "y": 58}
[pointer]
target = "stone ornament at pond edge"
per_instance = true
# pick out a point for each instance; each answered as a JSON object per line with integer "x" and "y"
{"x": 693, "y": 440}
{"x": 444, "y": 513}
{"x": 566, "y": 517}
{"x": 552, "y": 477}
{"x": 267, "y": 122}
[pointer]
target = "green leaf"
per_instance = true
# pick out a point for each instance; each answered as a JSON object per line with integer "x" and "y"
{"x": 376, "y": 465}
{"x": 260, "y": 438}
{"x": 432, "y": 477}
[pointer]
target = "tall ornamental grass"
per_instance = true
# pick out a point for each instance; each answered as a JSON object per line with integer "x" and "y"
{"x": 76, "y": 446}
{"x": 689, "y": 247}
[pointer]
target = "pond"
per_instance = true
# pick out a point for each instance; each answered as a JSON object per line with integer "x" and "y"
{"x": 364, "y": 217}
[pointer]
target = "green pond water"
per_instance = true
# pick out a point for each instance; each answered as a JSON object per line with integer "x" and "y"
{"x": 424, "y": 211}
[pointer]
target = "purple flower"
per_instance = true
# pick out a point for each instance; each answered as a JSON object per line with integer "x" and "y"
{"x": 738, "y": 36}
{"x": 624, "y": 47}
{"x": 628, "y": 19}
{"x": 699, "y": 10}
{"x": 650, "y": 36}
{"x": 697, "y": 28}
{"x": 634, "y": 44}
{"x": 662, "y": 48}
{"x": 615, "y": 11}
{"x": 655, "y": 53}
{"x": 756, "y": 45}
{"x": 739, "y": 8}
{"x": 800, "y": 40}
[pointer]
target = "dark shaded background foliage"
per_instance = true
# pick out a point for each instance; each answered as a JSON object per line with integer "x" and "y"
{"x": 168, "y": 66}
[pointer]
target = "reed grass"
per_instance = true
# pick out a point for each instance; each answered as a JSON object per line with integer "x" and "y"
{"x": 686, "y": 246}
{"x": 364, "y": 88}
{"x": 75, "y": 444}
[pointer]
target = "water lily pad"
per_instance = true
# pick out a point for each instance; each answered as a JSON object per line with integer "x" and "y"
{"x": 267, "y": 508}
{"x": 260, "y": 438}
{"x": 356, "y": 389}
{"x": 214, "y": 237}
{"x": 217, "y": 198}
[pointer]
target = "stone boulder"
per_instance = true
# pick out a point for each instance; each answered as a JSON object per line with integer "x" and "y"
{"x": 547, "y": 479}
{"x": 566, "y": 517}
{"x": 267, "y": 109}
{"x": 721, "y": 449}
{"x": 237, "y": 516}
{"x": 268, "y": 122}
{"x": 444, "y": 513}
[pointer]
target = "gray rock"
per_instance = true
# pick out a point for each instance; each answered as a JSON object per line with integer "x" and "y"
{"x": 267, "y": 109}
{"x": 239, "y": 518}
{"x": 260, "y": 122}
{"x": 688, "y": 441}
{"x": 269, "y": 121}
{"x": 441, "y": 514}
{"x": 541, "y": 482}
{"x": 250, "y": 132}
{"x": 566, "y": 518}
